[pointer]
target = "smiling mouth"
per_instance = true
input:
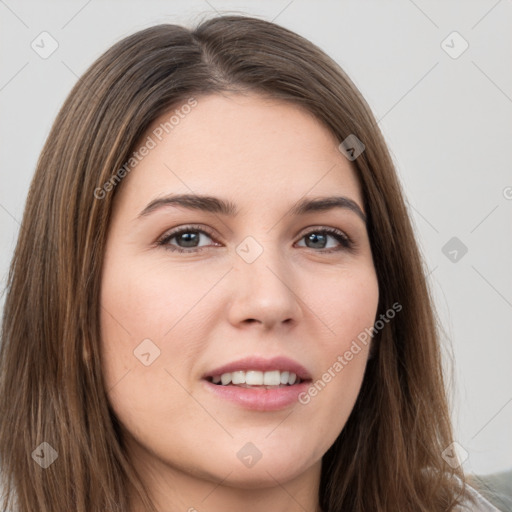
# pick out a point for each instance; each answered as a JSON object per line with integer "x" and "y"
{"x": 272, "y": 379}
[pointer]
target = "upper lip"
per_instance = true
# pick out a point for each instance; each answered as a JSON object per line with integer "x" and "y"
{"x": 261, "y": 364}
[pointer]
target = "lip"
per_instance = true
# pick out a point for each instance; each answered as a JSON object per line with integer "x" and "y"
{"x": 259, "y": 399}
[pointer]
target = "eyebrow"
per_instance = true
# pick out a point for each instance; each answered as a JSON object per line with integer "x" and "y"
{"x": 216, "y": 205}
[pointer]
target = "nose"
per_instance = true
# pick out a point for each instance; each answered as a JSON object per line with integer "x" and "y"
{"x": 264, "y": 292}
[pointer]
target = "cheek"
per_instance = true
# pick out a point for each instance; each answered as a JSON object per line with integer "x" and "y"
{"x": 347, "y": 304}
{"x": 150, "y": 300}
{"x": 150, "y": 335}
{"x": 350, "y": 310}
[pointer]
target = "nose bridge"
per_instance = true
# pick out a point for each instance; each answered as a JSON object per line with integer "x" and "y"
{"x": 263, "y": 283}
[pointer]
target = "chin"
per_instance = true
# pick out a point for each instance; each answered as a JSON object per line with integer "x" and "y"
{"x": 273, "y": 465}
{"x": 262, "y": 475}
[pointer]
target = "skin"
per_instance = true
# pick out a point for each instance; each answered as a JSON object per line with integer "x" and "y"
{"x": 207, "y": 308}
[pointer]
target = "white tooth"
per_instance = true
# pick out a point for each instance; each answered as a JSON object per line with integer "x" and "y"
{"x": 271, "y": 378}
{"x": 292, "y": 378}
{"x": 254, "y": 378}
{"x": 225, "y": 378}
{"x": 216, "y": 379}
{"x": 284, "y": 377}
{"x": 238, "y": 377}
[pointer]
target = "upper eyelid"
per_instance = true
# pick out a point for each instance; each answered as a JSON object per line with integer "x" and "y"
{"x": 176, "y": 231}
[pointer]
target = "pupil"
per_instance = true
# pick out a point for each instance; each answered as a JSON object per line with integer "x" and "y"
{"x": 314, "y": 238}
{"x": 189, "y": 239}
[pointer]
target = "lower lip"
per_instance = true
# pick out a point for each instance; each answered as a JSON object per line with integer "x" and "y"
{"x": 259, "y": 399}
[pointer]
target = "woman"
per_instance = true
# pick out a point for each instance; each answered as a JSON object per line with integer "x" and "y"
{"x": 291, "y": 362}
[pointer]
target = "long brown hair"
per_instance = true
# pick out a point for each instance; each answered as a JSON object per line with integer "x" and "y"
{"x": 388, "y": 456}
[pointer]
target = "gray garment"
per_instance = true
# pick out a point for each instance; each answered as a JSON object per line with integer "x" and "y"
{"x": 482, "y": 504}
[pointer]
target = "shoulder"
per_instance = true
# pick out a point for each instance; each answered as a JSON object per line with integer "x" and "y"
{"x": 480, "y": 505}
{"x": 472, "y": 501}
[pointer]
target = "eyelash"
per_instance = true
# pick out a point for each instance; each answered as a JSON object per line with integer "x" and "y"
{"x": 342, "y": 238}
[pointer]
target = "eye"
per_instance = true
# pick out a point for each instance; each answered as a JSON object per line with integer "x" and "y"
{"x": 318, "y": 239}
{"x": 188, "y": 237}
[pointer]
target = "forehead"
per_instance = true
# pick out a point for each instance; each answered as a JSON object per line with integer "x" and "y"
{"x": 243, "y": 146}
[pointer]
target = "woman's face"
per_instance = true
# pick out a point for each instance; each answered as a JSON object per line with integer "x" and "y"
{"x": 257, "y": 293}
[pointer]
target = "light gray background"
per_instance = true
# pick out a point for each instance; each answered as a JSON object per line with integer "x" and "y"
{"x": 448, "y": 123}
